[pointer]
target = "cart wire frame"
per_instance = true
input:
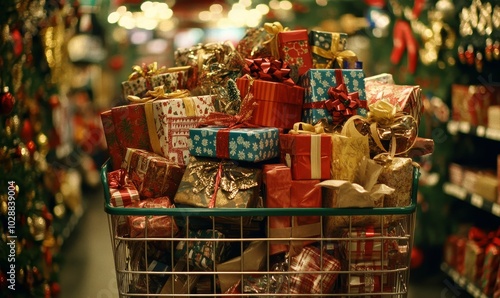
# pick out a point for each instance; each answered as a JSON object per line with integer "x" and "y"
{"x": 129, "y": 274}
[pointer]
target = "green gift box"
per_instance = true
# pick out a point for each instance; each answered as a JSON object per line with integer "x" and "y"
{"x": 325, "y": 47}
{"x": 245, "y": 144}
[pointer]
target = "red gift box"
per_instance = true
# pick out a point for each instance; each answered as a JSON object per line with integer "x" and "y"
{"x": 369, "y": 282}
{"x": 283, "y": 192}
{"x": 278, "y": 104}
{"x": 116, "y": 152}
{"x": 294, "y": 49}
{"x": 369, "y": 244}
{"x": 122, "y": 190}
{"x": 131, "y": 127}
{"x": 312, "y": 259}
{"x": 152, "y": 174}
{"x": 490, "y": 266}
{"x": 309, "y": 155}
{"x": 152, "y": 226}
{"x": 470, "y": 102}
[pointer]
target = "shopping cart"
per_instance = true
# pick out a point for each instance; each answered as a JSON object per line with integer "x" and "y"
{"x": 368, "y": 262}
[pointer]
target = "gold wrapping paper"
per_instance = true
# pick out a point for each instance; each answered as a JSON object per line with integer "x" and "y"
{"x": 398, "y": 174}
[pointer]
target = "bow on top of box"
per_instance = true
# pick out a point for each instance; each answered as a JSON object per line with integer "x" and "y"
{"x": 158, "y": 93}
{"x": 273, "y": 29}
{"x": 334, "y": 54}
{"x": 268, "y": 70}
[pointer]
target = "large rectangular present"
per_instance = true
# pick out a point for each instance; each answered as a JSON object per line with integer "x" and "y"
{"x": 245, "y": 144}
{"x": 150, "y": 76}
{"x": 308, "y": 155}
{"x": 201, "y": 188}
{"x": 293, "y": 47}
{"x": 283, "y": 192}
{"x": 278, "y": 104}
{"x": 322, "y": 88}
{"x": 152, "y": 174}
{"x": 161, "y": 126}
{"x": 408, "y": 98}
{"x": 115, "y": 151}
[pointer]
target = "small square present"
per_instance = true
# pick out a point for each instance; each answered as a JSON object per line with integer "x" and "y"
{"x": 245, "y": 144}
{"x": 308, "y": 155}
{"x": 326, "y": 91}
{"x": 152, "y": 226}
{"x": 202, "y": 250}
{"x": 238, "y": 187}
{"x": 122, "y": 191}
{"x": 329, "y": 50}
{"x": 311, "y": 259}
{"x": 147, "y": 77}
{"x": 152, "y": 174}
{"x": 294, "y": 49}
{"x": 278, "y": 104}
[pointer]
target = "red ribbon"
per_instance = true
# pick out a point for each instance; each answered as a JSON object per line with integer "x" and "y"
{"x": 369, "y": 232}
{"x": 480, "y": 237}
{"x": 340, "y": 103}
{"x": 117, "y": 179}
{"x": 218, "y": 177}
{"x": 268, "y": 70}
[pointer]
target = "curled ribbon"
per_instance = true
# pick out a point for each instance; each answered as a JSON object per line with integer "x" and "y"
{"x": 307, "y": 128}
{"x": 389, "y": 123}
{"x": 335, "y": 54}
{"x": 158, "y": 93}
{"x": 210, "y": 176}
{"x": 268, "y": 70}
{"x": 273, "y": 29}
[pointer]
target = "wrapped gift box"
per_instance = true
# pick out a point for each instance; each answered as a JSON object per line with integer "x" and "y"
{"x": 398, "y": 174}
{"x": 311, "y": 259}
{"x": 309, "y": 155}
{"x": 239, "y": 189}
{"x": 369, "y": 243}
{"x": 245, "y": 144}
{"x": 122, "y": 191}
{"x": 490, "y": 267}
{"x": 407, "y": 98}
{"x": 181, "y": 283}
{"x": 278, "y": 104}
{"x": 161, "y": 126}
{"x": 204, "y": 253}
{"x": 283, "y": 192}
{"x": 294, "y": 49}
{"x": 366, "y": 282}
{"x": 470, "y": 103}
{"x": 329, "y": 50}
{"x": 147, "y": 79}
{"x": 152, "y": 226}
{"x": 152, "y": 174}
{"x": 317, "y": 82}
{"x": 475, "y": 246}
{"x": 116, "y": 152}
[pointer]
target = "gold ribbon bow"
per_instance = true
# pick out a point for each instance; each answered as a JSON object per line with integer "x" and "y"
{"x": 273, "y": 29}
{"x": 307, "y": 128}
{"x": 334, "y": 54}
{"x": 158, "y": 93}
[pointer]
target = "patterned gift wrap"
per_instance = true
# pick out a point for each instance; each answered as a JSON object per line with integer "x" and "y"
{"x": 398, "y": 174}
{"x": 317, "y": 83}
{"x": 152, "y": 174}
{"x": 407, "y": 98}
{"x": 175, "y": 78}
{"x": 122, "y": 190}
{"x": 131, "y": 127}
{"x": 370, "y": 282}
{"x": 238, "y": 187}
{"x": 152, "y": 226}
{"x": 312, "y": 259}
{"x": 294, "y": 49}
{"x": 309, "y": 155}
{"x": 245, "y": 144}
{"x": 203, "y": 254}
{"x": 326, "y": 47}
{"x": 278, "y": 104}
{"x": 115, "y": 151}
{"x": 369, "y": 244}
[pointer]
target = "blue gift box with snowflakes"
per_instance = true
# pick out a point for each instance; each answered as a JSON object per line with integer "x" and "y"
{"x": 317, "y": 83}
{"x": 244, "y": 144}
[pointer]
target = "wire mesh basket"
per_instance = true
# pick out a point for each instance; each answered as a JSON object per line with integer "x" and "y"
{"x": 202, "y": 252}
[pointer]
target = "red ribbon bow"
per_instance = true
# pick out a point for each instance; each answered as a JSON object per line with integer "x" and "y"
{"x": 342, "y": 104}
{"x": 117, "y": 179}
{"x": 268, "y": 70}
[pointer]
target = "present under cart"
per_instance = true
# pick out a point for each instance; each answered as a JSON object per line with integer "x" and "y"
{"x": 217, "y": 253}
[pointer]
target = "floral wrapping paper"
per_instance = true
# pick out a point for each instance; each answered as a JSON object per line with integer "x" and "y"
{"x": 152, "y": 174}
{"x": 122, "y": 191}
{"x": 312, "y": 259}
{"x": 245, "y": 144}
{"x": 203, "y": 254}
{"x": 294, "y": 49}
{"x": 309, "y": 155}
{"x": 152, "y": 226}
{"x": 398, "y": 174}
{"x": 115, "y": 151}
{"x": 490, "y": 267}
{"x": 317, "y": 82}
{"x": 171, "y": 81}
{"x": 238, "y": 187}
{"x": 278, "y": 104}
{"x": 408, "y": 98}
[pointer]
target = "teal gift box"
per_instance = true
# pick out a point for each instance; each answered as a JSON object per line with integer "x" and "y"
{"x": 329, "y": 42}
{"x": 317, "y": 83}
{"x": 244, "y": 144}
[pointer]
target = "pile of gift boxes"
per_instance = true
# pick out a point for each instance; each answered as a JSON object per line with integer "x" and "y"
{"x": 283, "y": 119}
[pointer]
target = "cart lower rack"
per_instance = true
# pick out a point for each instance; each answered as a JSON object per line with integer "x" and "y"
{"x": 197, "y": 252}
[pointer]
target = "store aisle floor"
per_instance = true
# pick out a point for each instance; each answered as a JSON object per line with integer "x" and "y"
{"x": 87, "y": 270}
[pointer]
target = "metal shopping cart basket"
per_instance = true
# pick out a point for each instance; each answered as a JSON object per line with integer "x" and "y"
{"x": 208, "y": 259}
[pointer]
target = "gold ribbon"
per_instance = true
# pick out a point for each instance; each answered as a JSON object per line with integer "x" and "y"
{"x": 152, "y": 69}
{"x": 334, "y": 54}
{"x": 307, "y": 128}
{"x": 159, "y": 93}
{"x": 273, "y": 29}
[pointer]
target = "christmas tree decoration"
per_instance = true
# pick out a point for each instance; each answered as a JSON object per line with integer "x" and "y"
{"x": 7, "y": 102}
